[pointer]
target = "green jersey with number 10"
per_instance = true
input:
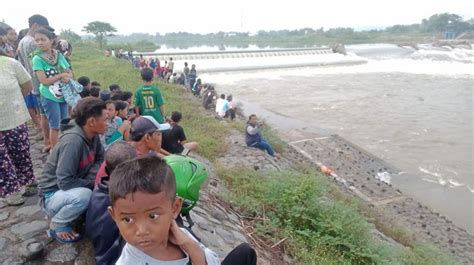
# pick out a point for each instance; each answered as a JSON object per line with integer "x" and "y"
{"x": 149, "y": 100}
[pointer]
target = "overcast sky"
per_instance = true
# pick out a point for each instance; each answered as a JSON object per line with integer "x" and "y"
{"x": 204, "y": 16}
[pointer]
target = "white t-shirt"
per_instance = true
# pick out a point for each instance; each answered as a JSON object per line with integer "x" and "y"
{"x": 133, "y": 256}
{"x": 13, "y": 110}
{"x": 219, "y": 103}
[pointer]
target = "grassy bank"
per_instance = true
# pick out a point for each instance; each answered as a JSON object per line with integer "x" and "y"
{"x": 300, "y": 208}
{"x": 199, "y": 125}
{"x": 298, "y": 205}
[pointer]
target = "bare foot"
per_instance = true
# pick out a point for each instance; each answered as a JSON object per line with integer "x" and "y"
{"x": 67, "y": 235}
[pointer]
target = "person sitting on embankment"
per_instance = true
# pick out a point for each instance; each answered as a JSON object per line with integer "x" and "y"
{"x": 254, "y": 138}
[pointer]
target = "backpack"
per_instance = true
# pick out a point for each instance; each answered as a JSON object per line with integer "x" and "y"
{"x": 190, "y": 175}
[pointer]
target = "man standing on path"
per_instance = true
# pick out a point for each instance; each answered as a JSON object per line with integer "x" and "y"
{"x": 68, "y": 175}
{"x": 186, "y": 74}
{"x": 171, "y": 66}
{"x": 25, "y": 48}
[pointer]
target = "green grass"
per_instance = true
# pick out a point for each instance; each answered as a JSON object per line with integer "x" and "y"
{"x": 319, "y": 230}
{"x": 198, "y": 125}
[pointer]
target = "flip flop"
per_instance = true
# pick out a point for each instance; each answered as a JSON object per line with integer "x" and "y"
{"x": 52, "y": 234}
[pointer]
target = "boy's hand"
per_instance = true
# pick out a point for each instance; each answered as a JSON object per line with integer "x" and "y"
{"x": 177, "y": 236}
{"x": 187, "y": 244}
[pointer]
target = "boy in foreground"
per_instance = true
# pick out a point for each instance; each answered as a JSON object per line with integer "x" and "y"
{"x": 144, "y": 206}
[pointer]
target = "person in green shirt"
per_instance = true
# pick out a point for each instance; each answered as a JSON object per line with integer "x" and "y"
{"x": 52, "y": 70}
{"x": 148, "y": 99}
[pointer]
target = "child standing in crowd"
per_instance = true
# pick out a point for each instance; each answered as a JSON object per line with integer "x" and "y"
{"x": 51, "y": 68}
{"x": 148, "y": 99}
{"x": 144, "y": 206}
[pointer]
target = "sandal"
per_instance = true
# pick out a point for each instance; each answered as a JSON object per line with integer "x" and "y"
{"x": 52, "y": 234}
{"x": 14, "y": 199}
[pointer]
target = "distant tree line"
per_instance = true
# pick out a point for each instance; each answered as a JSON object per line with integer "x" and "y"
{"x": 435, "y": 24}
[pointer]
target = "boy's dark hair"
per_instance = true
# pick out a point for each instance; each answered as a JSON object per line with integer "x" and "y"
{"x": 176, "y": 116}
{"x": 223, "y": 96}
{"x": 148, "y": 174}
{"x": 117, "y": 153}
{"x": 95, "y": 83}
{"x": 84, "y": 81}
{"x": 251, "y": 116}
{"x": 95, "y": 91}
{"x": 185, "y": 63}
{"x": 117, "y": 95}
{"x": 126, "y": 95}
{"x": 114, "y": 87}
{"x": 147, "y": 74}
{"x": 3, "y": 31}
{"x": 88, "y": 108}
{"x": 109, "y": 101}
{"x": 120, "y": 105}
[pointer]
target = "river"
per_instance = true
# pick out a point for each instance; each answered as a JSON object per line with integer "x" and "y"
{"x": 412, "y": 108}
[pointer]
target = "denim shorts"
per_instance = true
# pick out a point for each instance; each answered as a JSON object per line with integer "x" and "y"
{"x": 55, "y": 112}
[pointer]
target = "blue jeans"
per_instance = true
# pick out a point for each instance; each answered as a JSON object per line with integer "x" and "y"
{"x": 55, "y": 112}
{"x": 264, "y": 146}
{"x": 66, "y": 206}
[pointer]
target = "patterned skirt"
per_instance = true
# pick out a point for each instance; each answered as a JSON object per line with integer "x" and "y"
{"x": 16, "y": 168}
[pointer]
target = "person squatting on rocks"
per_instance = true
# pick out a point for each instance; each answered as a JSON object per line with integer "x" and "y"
{"x": 68, "y": 175}
{"x": 144, "y": 206}
{"x": 254, "y": 138}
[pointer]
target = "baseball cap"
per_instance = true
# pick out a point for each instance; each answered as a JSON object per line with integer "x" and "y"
{"x": 147, "y": 124}
{"x": 40, "y": 20}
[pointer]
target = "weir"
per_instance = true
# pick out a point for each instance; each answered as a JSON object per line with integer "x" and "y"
{"x": 246, "y": 60}
{"x": 235, "y": 54}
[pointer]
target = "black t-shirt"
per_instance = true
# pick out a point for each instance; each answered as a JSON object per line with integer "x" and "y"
{"x": 170, "y": 139}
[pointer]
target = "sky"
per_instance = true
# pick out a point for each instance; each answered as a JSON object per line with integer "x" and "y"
{"x": 205, "y": 16}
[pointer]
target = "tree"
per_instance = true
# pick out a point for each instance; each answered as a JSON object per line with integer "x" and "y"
{"x": 100, "y": 30}
{"x": 444, "y": 22}
{"x": 70, "y": 35}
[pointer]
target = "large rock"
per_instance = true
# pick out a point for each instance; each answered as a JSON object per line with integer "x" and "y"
{"x": 28, "y": 210}
{"x": 4, "y": 216}
{"x": 26, "y": 230}
{"x": 63, "y": 253}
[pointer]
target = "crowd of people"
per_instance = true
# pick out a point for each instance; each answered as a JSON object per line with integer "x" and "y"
{"x": 106, "y": 150}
